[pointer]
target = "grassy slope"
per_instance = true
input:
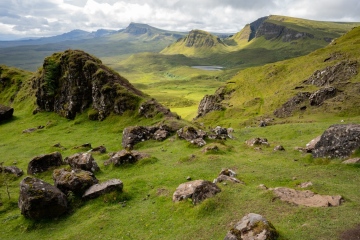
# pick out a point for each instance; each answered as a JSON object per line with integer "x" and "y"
{"x": 274, "y": 83}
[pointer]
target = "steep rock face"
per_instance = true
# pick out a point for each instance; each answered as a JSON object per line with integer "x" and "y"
{"x": 272, "y": 31}
{"x": 197, "y": 39}
{"x": 293, "y": 104}
{"x": 212, "y": 102}
{"x": 73, "y": 80}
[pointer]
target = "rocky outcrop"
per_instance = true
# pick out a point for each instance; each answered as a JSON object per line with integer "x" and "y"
{"x": 84, "y": 161}
{"x": 252, "y": 227}
{"x": 340, "y": 72}
{"x": 40, "y": 200}
{"x": 43, "y": 162}
{"x": 151, "y": 108}
{"x": 211, "y": 103}
{"x": 294, "y": 104}
{"x": 73, "y": 81}
{"x": 198, "y": 39}
{"x": 134, "y": 135}
{"x": 101, "y": 188}
{"x": 274, "y": 31}
{"x": 76, "y": 181}
{"x": 197, "y": 191}
{"x": 124, "y": 157}
{"x": 5, "y": 112}
{"x": 307, "y": 198}
{"x": 318, "y": 97}
{"x": 257, "y": 142}
{"x": 338, "y": 141}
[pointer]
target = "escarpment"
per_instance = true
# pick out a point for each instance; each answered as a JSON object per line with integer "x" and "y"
{"x": 72, "y": 81}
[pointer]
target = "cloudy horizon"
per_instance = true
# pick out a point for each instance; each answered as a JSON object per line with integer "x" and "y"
{"x": 43, "y": 18}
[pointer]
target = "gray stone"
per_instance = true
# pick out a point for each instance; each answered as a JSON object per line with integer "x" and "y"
{"x": 99, "y": 149}
{"x": 279, "y": 148}
{"x": 6, "y": 112}
{"x": 197, "y": 191}
{"x": 252, "y": 227}
{"x": 352, "y": 161}
{"x": 257, "y": 142}
{"x": 311, "y": 145}
{"x": 338, "y": 141}
{"x": 84, "y": 161}
{"x": 318, "y": 97}
{"x": 43, "y": 162}
{"x": 124, "y": 157}
{"x": 102, "y": 188}
{"x": 12, "y": 170}
{"x": 76, "y": 181}
{"x": 40, "y": 200}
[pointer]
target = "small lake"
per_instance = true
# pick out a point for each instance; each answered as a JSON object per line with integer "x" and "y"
{"x": 209, "y": 68}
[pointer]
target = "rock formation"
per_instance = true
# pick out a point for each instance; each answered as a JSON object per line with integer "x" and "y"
{"x": 124, "y": 157}
{"x": 5, "y": 112}
{"x": 101, "y": 188}
{"x": 84, "y": 161}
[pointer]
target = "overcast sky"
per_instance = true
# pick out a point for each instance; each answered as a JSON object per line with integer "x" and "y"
{"x": 29, "y": 18}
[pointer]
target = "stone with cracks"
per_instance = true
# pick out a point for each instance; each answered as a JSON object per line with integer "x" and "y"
{"x": 192, "y": 135}
{"x": 252, "y": 227}
{"x": 84, "y": 161}
{"x": 124, "y": 157}
{"x": 43, "y": 162}
{"x": 76, "y": 181}
{"x": 318, "y": 97}
{"x": 307, "y": 198}
{"x": 102, "y": 188}
{"x": 338, "y": 141}
{"x": 311, "y": 145}
{"x": 197, "y": 191}
{"x": 40, "y": 200}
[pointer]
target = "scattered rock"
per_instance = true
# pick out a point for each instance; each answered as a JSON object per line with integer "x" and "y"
{"x": 262, "y": 124}
{"x": 227, "y": 175}
{"x": 6, "y": 112}
{"x": 151, "y": 108}
{"x": 197, "y": 191}
{"x": 100, "y": 149}
{"x": 40, "y": 200}
{"x": 44, "y": 162}
{"x": 192, "y": 135}
{"x": 307, "y": 198}
{"x": 125, "y": 157}
{"x": 318, "y": 97}
{"x": 279, "y": 148}
{"x": 338, "y": 141}
{"x": 252, "y": 227}
{"x": 257, "y": 142}
{"x": 198, "y": 142}
{"x": 211, "y": 149}
{"x": 84, "y": 161}
{"x": 76, "y": 181}
{"x": 219, "y": 133}
{"x": 263, "y": 187}
{"x": 12, "y": 170}
{"x": 352, "y": 161}
{"x": 29, "y": 130}
{"x": 99, "y": 189}
{"x": 305, "y": 185}
{"x": 188, "y": 178}
{"x": 84, "y": 146}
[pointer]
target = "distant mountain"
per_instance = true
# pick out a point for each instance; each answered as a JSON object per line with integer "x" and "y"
{"x": 197, "y": 43}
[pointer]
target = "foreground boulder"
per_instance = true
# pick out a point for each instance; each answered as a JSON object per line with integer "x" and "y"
{"x": 124, "y": 156}
{"x": 76, "y": 181}
{"x": 43, "y": 162}
{"x": 40, "y": 200}
{"x": 84, "y": 161}
{"x": 197, "y": 191}
{"x": 5, "y": 112}
{"x": 338, "y": 141}
{"x": 307, "y": 198}
{"x": 252, "y": 227}
{"x": 99, "y": 189}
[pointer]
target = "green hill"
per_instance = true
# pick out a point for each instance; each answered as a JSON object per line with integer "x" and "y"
{"x": 258, "y": 92}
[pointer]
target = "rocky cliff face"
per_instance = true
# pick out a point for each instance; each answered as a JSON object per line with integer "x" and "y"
{"x": 197, "y": 39}
{"x": 73, "y": 81}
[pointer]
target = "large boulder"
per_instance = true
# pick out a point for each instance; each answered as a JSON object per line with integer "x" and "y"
{"x": 338, "y": 141}
{"x": 101, "y": 188}
{"x": 124, "y": 157}
{"x": 76, "y": 181}
{"x": 40, "y": 200}
{"x": 252, "y": 227}
{"x": 213, "y": 102}
{"x": 43, "y": 162}
{"x": 307, "y": 198}
{"x": 5, "y": 112}
{"x": 12, "y": 170}
{"x": 84, "y": 161}
{"x": 197, "y": 191}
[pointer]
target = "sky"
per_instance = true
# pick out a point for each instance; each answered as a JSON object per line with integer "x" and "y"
{"x": 43, "y": 18}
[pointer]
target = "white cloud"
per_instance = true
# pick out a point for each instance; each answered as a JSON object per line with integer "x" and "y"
{"x": 50, "y": 17}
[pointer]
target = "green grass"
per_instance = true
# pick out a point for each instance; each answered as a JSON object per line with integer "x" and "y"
{"x": 158, "y": 217}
